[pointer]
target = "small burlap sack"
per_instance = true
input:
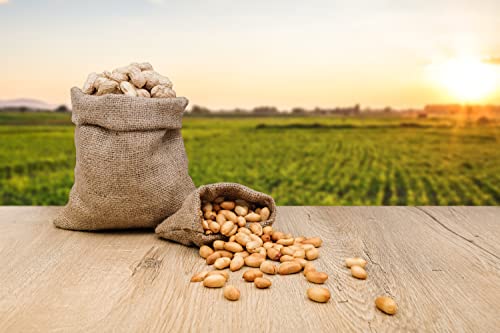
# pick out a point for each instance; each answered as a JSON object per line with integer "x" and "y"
{"x": 131, "y": 166}
{"x": 185, "y": 225}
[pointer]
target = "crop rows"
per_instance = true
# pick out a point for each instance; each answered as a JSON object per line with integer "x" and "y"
{"x": 297, "y": 166}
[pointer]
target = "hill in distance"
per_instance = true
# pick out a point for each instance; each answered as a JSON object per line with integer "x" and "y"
{"x": 33, "y": 104}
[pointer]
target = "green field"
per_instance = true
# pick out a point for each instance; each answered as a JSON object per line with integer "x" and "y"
{"x": 299, "y": 161}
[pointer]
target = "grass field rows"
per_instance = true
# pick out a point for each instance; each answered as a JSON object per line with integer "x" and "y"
{"x": 342, "y": 162}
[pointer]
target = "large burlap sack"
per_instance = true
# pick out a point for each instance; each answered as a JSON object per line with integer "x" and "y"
{"x": 185, "y": 225}
{"x": 131, "y": 166}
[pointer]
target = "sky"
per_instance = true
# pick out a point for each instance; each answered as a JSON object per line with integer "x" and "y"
{"x": 227, "y": 54}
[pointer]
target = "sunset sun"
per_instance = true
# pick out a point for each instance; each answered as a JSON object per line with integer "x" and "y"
{"x": 465, "y": 79}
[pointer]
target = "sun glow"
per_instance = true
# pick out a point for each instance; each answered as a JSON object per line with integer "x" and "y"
{"x": 466, "y": 79}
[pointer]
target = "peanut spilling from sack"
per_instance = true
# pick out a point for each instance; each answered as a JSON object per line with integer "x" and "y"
{"x": 266, "y": 251}
{"x": 224, "y": 216}
{"x": 135, "y": 80}
{"x": 248, "y": 243}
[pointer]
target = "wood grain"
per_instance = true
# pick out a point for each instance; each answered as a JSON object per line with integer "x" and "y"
{"x": 441, "y": 264}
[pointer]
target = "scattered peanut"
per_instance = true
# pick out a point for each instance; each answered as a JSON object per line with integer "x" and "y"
{"x": 386, "y": 305}
{"x": 241, "y": 210}
{"x": 267, "y": 245}
{"x": 287, "y": 251}
{"x": 229, "y": 215}
{"x": 277, "y": 235}
{"x": 273, "y": 254}
{"x": 301, "y": 254}
{"x": 306, "y": 247}
{"x": 358, "y": 272}
{"x": 220, "y": 218}
{"x": 222, "y": 263}
{"x": 237, "y": 263}
{"x": 316, "y": 277}
{"x": 252, "y": 274}
{"x": 243, "y": 254}
{"x": 228, "y": 228}
{"x": 213, "y": 257}
{"x": 244, "y": 230}
{"x": 231, "y": 293}
{"x": 299, "y": 240}
{"x": 309, "y": 267}
{"x": 285, "y": 258}
{"x": 242, "y": 238}
{"x": 301, "y": 261}
{"x": 198, "y": 277}
{"x": 289, "y": 267}
{"x": 233, "y": 247}
{"x": 262, "y": 283}
{"x": 225, "y": 253}
{"x": 268, "y": 230}
{"x": 218, "y": 245}
{"x": 268, "y": 268}
{"x": 254, "y": 260}
{"x": 205, "y": 251}
{"x": 214, "y": 227}
{"x": 252, "y": 217}
{"x": 214, "y": 281}
{"x": 252, "y": 246}
{"x": 229, "y": 205}
{"x": 256, "y": 229}
{"x": 312, "y": 254}
{"x": 316, "y": 241}
{"x": 223, "y": 273}
{"x": 285, "y": 241}
{"x": 355, "y": 261}
{"x": 264, "y": 214}
{"x": 318, "y": 294}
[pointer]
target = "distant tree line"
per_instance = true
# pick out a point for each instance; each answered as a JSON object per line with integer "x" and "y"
{"x": 60, "y": 108}
{"x": 271, "y": 110}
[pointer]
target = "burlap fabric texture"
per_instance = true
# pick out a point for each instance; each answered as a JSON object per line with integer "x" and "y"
{"x": 131, "y": 166}
{"x": 185, "y": 225}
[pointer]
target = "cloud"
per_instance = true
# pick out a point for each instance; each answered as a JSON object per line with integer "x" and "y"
{"x": 492, "y": 60}
{"x": 154, "y": 2}
{"x": 3, "y": 2}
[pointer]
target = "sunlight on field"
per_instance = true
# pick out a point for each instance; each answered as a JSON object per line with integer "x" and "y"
{"x": 467, "y": 79}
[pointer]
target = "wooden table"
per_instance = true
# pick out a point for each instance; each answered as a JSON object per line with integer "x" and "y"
{"x": 441, "y": 265}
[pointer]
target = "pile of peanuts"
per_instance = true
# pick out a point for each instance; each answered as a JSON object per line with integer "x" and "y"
{"x": 225, "y": 216}
{"x": 136, "y": 80}
{"x": 250, "y": 244}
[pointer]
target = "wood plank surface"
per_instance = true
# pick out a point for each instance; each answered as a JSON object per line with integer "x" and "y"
{"x": 441, "y": 265}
